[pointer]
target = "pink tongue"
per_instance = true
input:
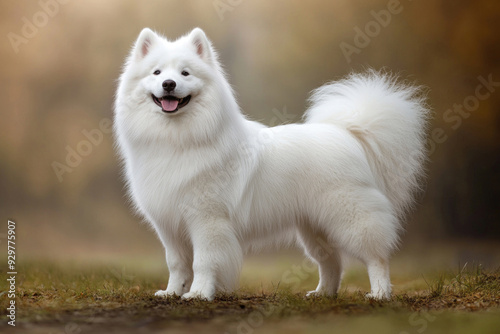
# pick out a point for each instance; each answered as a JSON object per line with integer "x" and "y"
{"x": 169, "y": 105}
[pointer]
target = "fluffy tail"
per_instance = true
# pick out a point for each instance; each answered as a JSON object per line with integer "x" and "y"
{"x": 388, "y": 118}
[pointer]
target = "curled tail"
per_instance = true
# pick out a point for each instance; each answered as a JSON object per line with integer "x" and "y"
{"x": 388, "y": 118}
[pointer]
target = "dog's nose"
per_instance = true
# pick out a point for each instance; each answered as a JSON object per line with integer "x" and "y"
{"x": 169, "y": 85}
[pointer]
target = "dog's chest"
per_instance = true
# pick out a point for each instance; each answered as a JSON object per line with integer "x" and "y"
{"x": 165, "y": 184}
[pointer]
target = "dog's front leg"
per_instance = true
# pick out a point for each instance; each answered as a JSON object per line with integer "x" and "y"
{"x": 217, "y": 258}
{"x": 179, "y": 256}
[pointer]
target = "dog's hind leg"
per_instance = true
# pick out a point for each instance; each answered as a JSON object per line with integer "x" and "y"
{"x": 327, "y": 257}
{"x": 370, "y": 233}
{"x": 380, "y": 280}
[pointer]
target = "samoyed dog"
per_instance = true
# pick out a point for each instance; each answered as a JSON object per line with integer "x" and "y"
{"x": 215, "y": 185}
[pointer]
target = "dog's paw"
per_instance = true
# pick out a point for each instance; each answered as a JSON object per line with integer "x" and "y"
{"x": 316, "y": 293}
{"x": 165, "y": 294}
{"x": 312, "y": 293}
{"x": 196, "y": 295}
{"x": 378, "y": 296}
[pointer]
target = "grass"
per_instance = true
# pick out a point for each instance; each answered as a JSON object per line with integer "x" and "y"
{"x": 107, "y": 299}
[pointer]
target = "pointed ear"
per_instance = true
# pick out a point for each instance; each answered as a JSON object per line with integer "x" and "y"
{"x": 202, "y": 45}
{"x": 146, "y": 40}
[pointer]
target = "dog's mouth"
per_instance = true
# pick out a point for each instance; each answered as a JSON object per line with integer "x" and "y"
{"x": 171, "y": 104}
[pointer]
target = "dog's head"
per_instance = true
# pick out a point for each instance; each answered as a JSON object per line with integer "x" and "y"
{"x": 169, "y": 76}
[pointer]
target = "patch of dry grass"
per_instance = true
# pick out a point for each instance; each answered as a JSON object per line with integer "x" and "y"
{"x": 53, "y": 299}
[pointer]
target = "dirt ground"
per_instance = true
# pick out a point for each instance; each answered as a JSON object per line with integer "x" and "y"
{"x": 112, "y": 299}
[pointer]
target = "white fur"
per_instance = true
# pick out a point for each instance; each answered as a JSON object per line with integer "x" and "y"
{"x": 215, "y": 185}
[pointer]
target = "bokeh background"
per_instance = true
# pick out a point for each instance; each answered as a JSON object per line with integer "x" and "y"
{"x": 59, "y": 62}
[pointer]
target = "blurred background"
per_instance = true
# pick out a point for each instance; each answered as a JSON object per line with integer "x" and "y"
{"x": 59, "y": 62}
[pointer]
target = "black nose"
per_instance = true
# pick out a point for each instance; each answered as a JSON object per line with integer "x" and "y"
{"x": 169, "y": 85}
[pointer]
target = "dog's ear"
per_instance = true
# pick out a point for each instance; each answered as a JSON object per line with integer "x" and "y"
{"x": 202, "y": 45}
{"x": 146, "y": 40}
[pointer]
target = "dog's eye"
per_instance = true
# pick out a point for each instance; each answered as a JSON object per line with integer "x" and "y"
{"x": 185, "y": 73}
{"x": 156, "y": 72}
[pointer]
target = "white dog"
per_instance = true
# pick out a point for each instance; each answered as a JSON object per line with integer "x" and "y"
{"x": 214, "y": 184}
